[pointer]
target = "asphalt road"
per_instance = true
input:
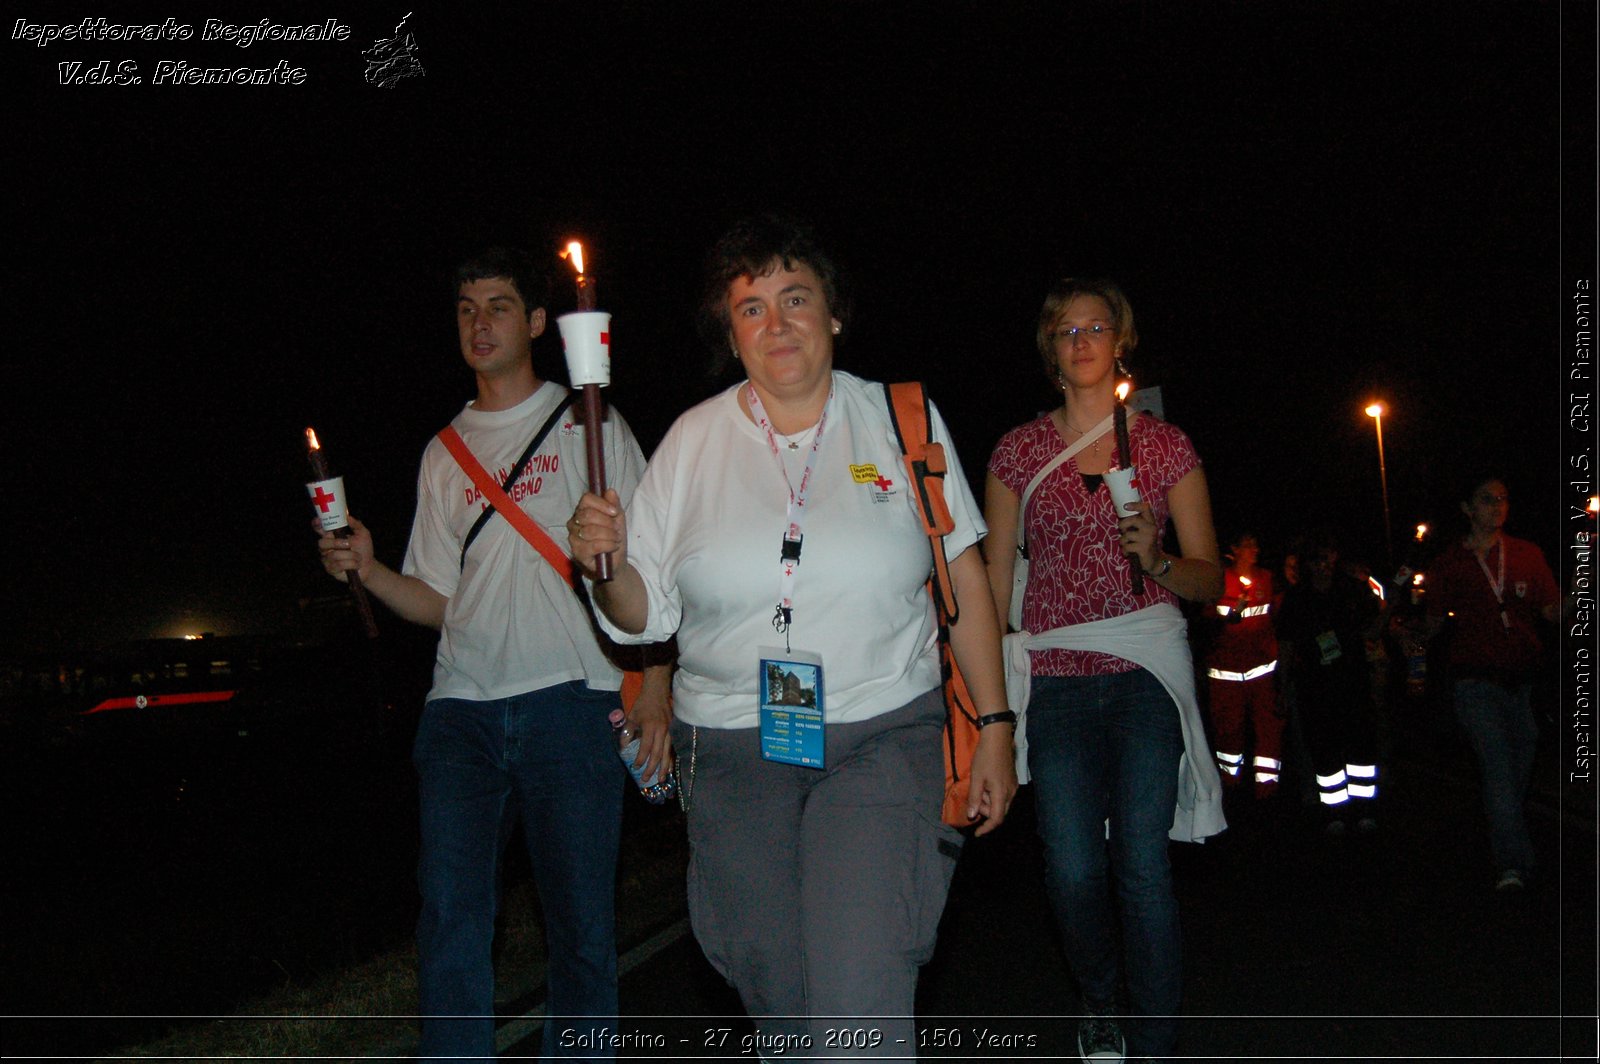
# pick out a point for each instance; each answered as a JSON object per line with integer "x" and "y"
{"x": 1297, "y": 946}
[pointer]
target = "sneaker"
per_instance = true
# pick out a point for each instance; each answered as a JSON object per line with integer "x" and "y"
{"x": 1099, "y": 1038}
{"x": 1511, "y": 880}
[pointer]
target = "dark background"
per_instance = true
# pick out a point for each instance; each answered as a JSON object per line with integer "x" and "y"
{"x": 1310, "y": 205}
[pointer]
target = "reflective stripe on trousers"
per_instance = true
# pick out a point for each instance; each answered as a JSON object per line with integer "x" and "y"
{"x": 1239, "y": 677}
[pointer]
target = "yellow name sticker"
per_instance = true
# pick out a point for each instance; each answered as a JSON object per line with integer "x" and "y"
{"x": 864, "y": 474}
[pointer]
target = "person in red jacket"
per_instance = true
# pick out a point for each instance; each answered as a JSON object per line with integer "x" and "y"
{"x": 1240, "y": 669}
{"x": 1494, "y": 588}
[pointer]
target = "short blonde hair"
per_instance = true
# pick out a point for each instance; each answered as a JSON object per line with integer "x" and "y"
{"x": 1065, "y": 291}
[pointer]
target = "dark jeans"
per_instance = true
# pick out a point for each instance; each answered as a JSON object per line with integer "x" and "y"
{"x": 1500, "y": 726}
{"x": 1106, "y": 748}
{"x": 549, "y": 757}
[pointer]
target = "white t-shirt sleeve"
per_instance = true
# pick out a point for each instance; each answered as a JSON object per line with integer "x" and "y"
{"x": 647, "y": 536}
{"x": 625, "y": 463}
{"x": 964, "y": 508}
{"x": 432, "y": 555}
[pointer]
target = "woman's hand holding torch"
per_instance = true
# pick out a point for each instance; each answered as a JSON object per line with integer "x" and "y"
{"x": 586, "y": 338}
{"x": 598, "y": 529}
{"x": 1129, "y": 481}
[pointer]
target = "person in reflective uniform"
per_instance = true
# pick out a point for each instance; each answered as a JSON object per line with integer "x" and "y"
{"x": 1241, "y": 671}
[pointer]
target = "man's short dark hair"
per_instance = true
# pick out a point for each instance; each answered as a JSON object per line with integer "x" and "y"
{"x": 749, "y": 249}
{"x": 521, "y": 269}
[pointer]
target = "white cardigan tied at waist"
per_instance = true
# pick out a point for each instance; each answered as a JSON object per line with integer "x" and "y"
{"x": 1154, "y": 638}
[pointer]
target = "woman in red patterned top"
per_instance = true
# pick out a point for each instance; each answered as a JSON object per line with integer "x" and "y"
{"x": 1113, "y": 732}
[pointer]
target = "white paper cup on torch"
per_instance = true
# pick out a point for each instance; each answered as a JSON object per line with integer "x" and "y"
{"x": 1124, "y": 487}
{"x": 586, "y": 337}
{"x": 327, "y": 501}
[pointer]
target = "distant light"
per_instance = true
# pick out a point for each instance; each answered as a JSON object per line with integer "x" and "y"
{"x": 1374, "y": 409}
{"x": 1422, "y": 530}
{"x": 188, "y": 635}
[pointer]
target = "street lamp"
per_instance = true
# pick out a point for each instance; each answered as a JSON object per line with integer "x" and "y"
{"x": 1375, "y": 412}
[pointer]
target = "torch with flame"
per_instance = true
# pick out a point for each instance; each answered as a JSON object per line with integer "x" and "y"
{"x": 1120, "y": 422}
{"x": 327, "y": 498}
{"x": 585, "y": 284}
{"x": 586, "y": 338}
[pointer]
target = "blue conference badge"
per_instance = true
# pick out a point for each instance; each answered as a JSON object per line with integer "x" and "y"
{"x": 790, "y": 686}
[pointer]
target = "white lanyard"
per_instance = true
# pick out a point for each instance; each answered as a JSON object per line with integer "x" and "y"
{"x": 794, "y": 519}
{"x": 1497, "y": 584}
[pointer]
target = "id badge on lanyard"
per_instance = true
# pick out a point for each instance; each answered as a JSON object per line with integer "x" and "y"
{"x": 792, "y": 697}
{"x": 789, "y": 681}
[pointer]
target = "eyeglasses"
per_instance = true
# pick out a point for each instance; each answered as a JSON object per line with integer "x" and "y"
{"x": 1070, "y": 333}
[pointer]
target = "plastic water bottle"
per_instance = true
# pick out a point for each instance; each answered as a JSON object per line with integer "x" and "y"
{"x": 628, "y": 749}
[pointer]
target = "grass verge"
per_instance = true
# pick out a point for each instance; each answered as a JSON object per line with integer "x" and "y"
{"x": 368, "y": 1011}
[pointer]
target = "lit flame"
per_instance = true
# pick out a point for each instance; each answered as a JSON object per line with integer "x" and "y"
{"x": 311, "y": 439}
{"x": 1374, "y": 409}
{"x": 1422, "y": 530}
{"x": 1594, "y": 504}
{"x": 574, "y": 252}
{"x": 1377, "y": 588}
{"x": 1245, "y": 580}
{"x": 1416, "y": 581}
{"x": 1122, "y": 391}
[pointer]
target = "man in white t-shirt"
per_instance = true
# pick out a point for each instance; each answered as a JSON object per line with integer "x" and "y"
{"x": 516, "y": 722}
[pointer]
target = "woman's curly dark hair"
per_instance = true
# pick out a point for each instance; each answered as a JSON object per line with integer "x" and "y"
{"x": 752, "y": 248}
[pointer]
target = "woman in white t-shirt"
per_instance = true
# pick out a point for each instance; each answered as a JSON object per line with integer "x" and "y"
{"x": 775, "y": 536}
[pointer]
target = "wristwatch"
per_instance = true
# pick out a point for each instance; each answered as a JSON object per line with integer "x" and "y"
{"x": 1003, "y": 717}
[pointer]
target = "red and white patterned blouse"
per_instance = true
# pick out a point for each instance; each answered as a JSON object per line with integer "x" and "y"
{"x": 1077, "y": 573}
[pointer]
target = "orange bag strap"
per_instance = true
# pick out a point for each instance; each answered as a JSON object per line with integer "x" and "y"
{"x": 527, "y": 526}
{"x": 925, "y": 465}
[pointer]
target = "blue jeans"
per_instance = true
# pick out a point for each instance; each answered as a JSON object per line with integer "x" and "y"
{"x": 549, "y": 757}
{"x": 1107, "y": 748}
{"x": 1499, "y": 725}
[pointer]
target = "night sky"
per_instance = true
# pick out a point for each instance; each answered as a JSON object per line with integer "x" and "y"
{"x": 1310, "y": 205}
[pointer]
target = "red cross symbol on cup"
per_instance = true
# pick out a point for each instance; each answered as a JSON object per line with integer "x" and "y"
{"x": 323, "y": 499}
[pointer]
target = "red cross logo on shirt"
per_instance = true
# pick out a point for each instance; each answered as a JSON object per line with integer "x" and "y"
{"x": 883, "y": 483}
{"x": 323, "y": 499}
